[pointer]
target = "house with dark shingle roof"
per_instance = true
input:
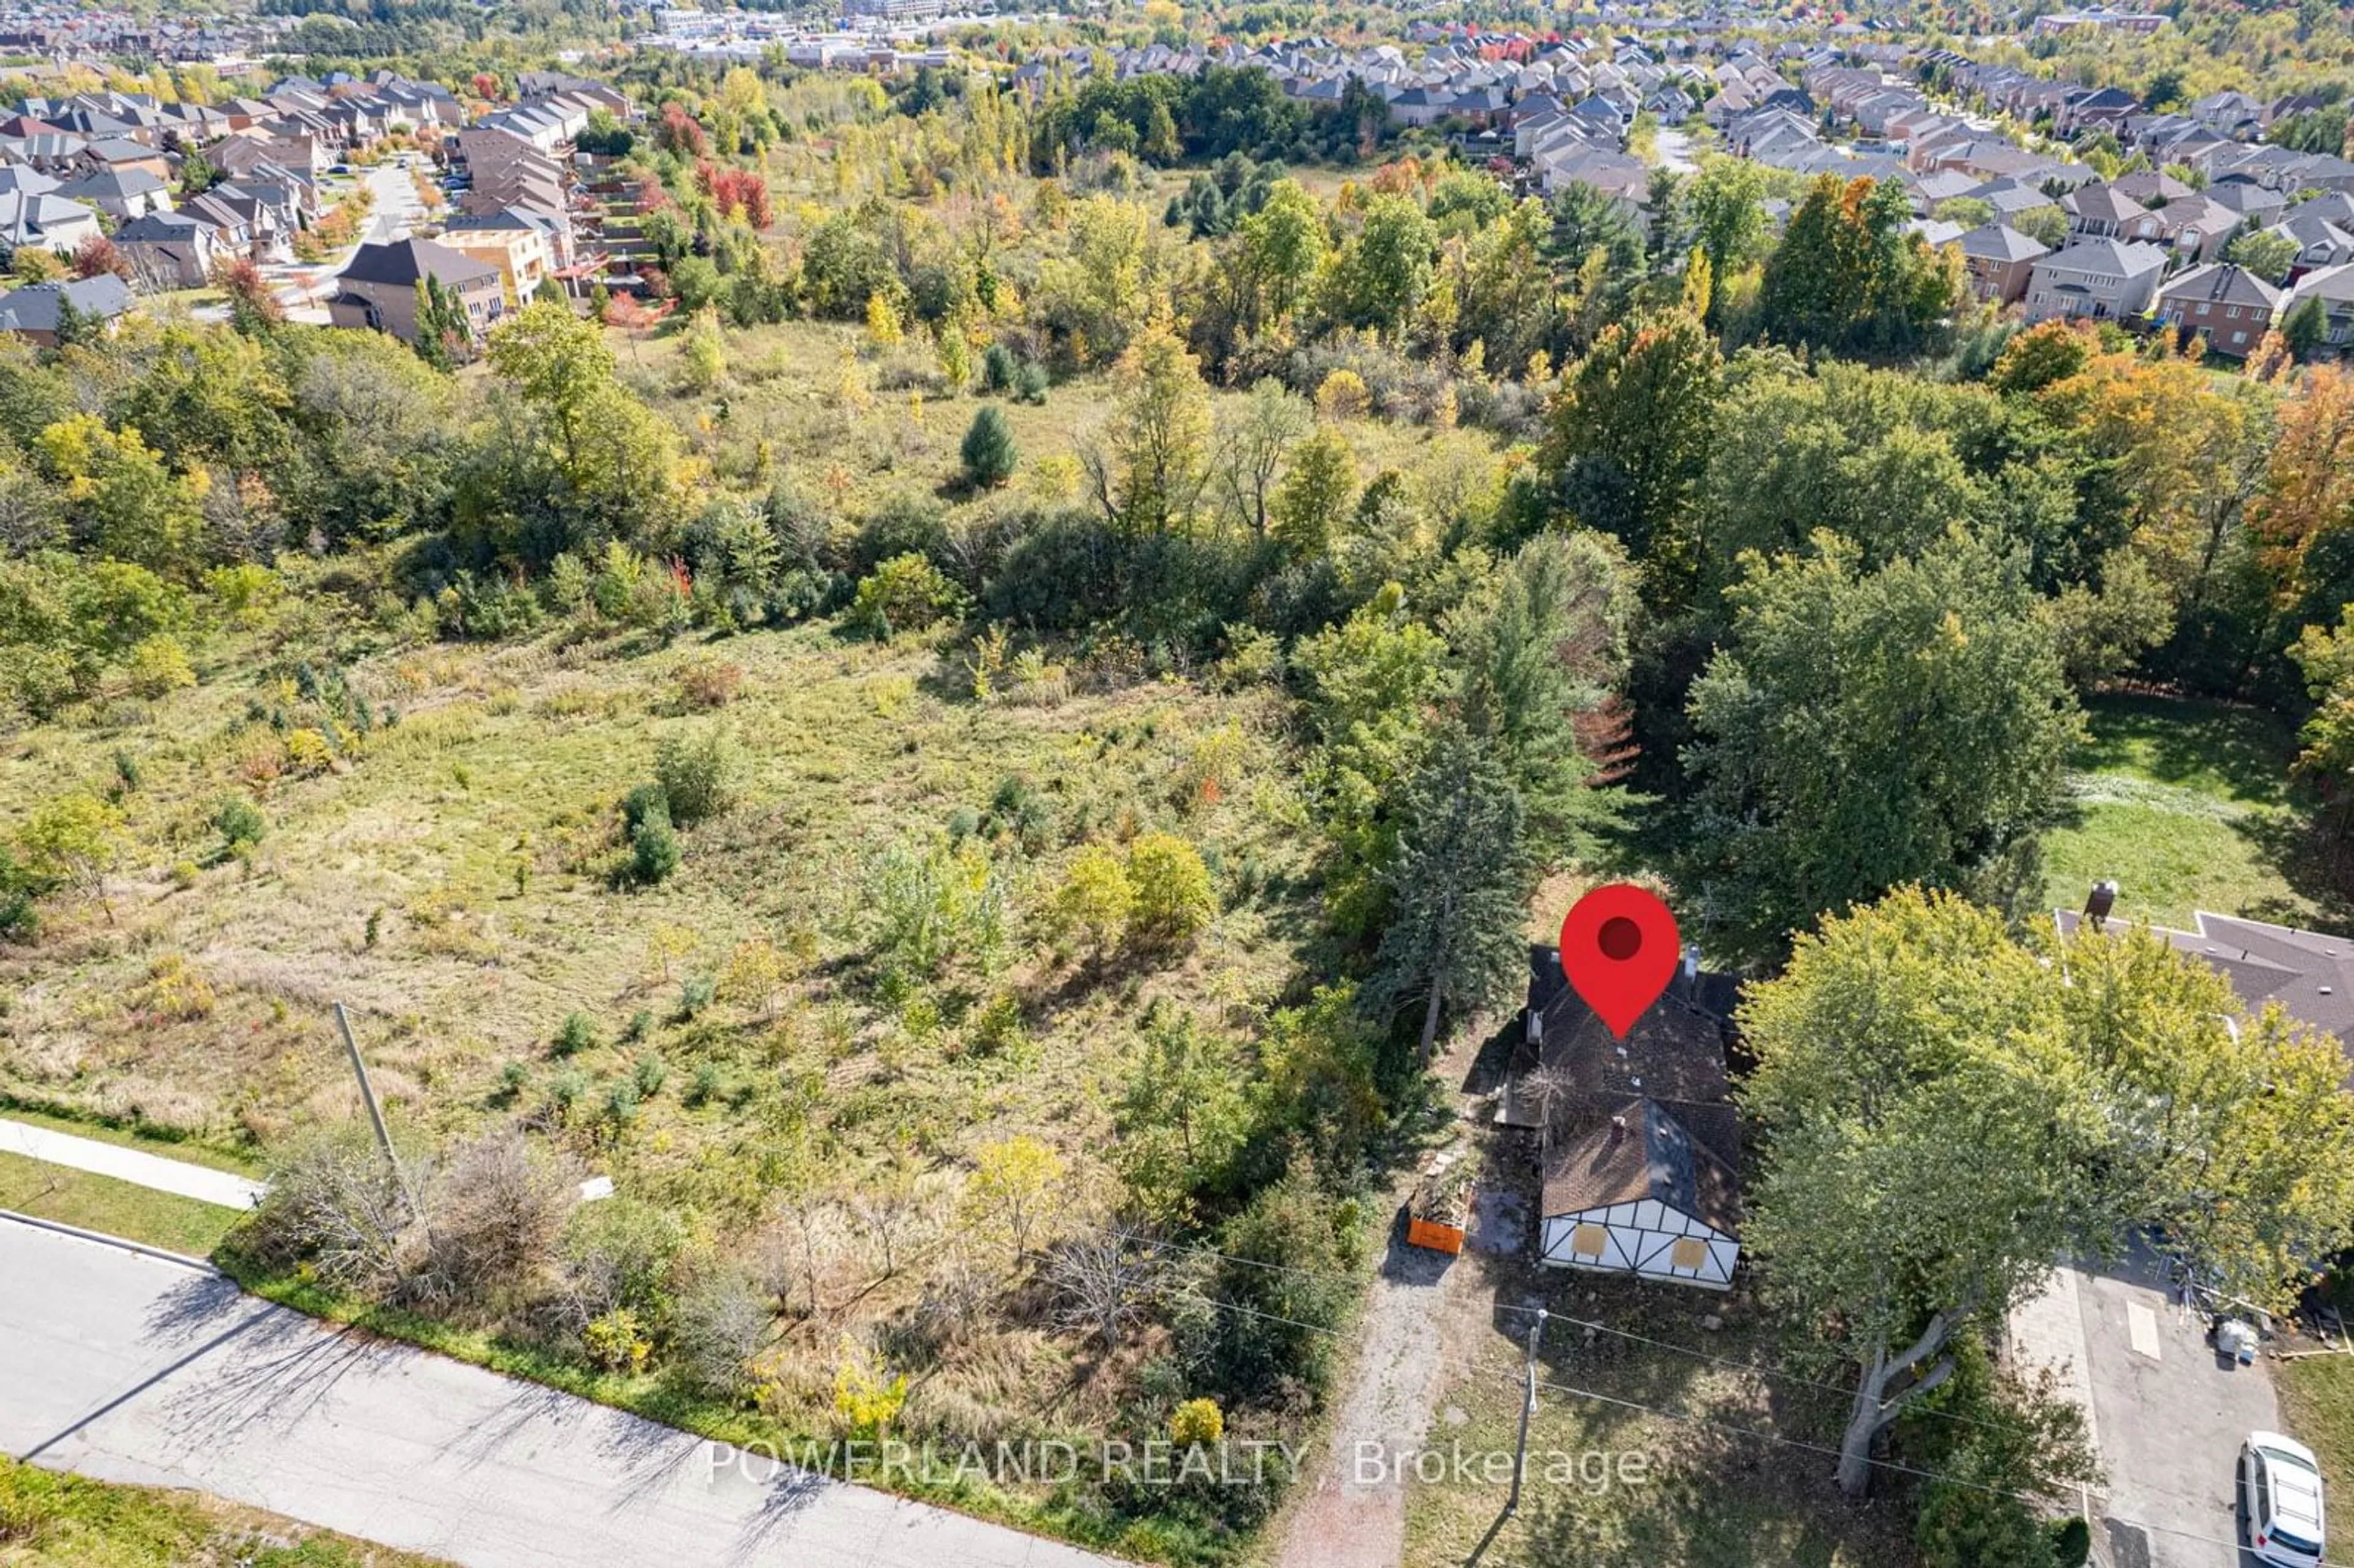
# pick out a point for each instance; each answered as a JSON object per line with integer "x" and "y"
{"x": 379, "y": 289}
{"x": 2096, "y": 280}
{"x": 121, "y": 194}
{"x": 1639, "y": 1147}
{"x": 1999, "y": 259}
{"x": 35, "y": 311}
{"x": 2229, "y": 306}
{"x": 2309, "y": 973}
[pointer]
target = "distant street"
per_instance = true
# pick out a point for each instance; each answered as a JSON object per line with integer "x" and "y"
{"x": 128, "y": 1368}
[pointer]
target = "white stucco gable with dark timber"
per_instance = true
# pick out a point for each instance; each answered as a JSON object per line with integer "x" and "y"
{"x": 1649, "y": 1239}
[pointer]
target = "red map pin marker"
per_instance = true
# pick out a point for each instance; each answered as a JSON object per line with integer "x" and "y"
{"x": 1619, "y": 950}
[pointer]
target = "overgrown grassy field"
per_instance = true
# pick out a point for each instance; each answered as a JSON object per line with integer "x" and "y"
{"x": 454, "y": 880}
{"x": 1698, "y": 1495}
{"x": 817, "y": 401}
{"x": 450, "y": 882}
{"x": 114, "y": 1208}
{"x": 2188, "y": 805}
{"x": 50, "y": 1520}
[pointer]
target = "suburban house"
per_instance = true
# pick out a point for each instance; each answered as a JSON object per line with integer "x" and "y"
{"x": 2096, "y": 279}
{"x": 170, "y": 249}
{"x": 1638, "y": 1147}
{"x": 379, "y": 289}
{"x": 121, "y": 194}
{"x": 1998, "y": 259}
{"x": 2320, "y": 242}
{"x": 33, "y": 313}
{"x": 2309, "y": 973}
{"x": 2334, "y": 286}
{"x": 2229, "y": 306}
{"x": 43, "y": 221}
{"x": 504, "y": 238}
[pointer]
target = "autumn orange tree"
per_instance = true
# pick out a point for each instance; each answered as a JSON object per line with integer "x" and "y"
{"x": 2304, "y": 517}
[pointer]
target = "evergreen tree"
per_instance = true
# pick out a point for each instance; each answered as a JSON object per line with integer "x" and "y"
{"x": 1460, "y": 885}
{"x": 2304, "y": 327}
{"x": 989, "y": 452}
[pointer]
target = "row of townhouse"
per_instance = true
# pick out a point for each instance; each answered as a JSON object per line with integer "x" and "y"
{"x": 512, "y": 225}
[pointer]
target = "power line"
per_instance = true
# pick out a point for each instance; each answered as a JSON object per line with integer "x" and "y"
{"x": 1760, "y": 1370}
{"x": 1255, "y": 1312}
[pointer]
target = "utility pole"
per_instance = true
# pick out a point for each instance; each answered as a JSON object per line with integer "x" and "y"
{"x": 1528, "y": 1408}
{"x": 368, "y": 1098}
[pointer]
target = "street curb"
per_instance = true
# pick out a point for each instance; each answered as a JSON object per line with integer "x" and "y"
{"x": 159, "y": 1254}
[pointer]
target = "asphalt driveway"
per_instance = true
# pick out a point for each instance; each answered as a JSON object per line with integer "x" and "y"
{"x": 2167, "y": 1416}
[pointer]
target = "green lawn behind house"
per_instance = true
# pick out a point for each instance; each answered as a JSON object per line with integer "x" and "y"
{"x": 2188, "y": 805}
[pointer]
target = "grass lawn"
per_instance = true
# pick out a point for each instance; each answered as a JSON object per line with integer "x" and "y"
{"x": 2188, "y": 804}
{"x": 114, "y": 1208}
{"x": 2316, "y": 1397}
{"x": 49, "y": 1520}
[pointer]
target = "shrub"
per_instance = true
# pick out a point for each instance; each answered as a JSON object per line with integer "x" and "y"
{"x": 641, "y": 802}
{"x": 2071, "y": 1542}
{"x": 1197, "y": 1422}
{"x": 905, "y": 593}
{"x": 576, "y": 1033}
{"x": 695, "y": 993}
{"x": 19, "y": 921}
{"x": 718, "y": 1326}
{"x": 989, "y": 454}
{"x": 239, "y": 822}
{"x": 307, "y": 751}
{"x": 564, "y": 1092}
{"x": 496, "y": 1212}
{"x": 997, "y": 1028}
{"x": 615, "y": 1342}
{"x": 710, "y": 683}
{"x": 654, "y": 851}
{"x": 703, "y": 1088}
{"x": 618, "y": 1256}
{"x": 1342, "y": 396}
{"x": 621, "y": 1102}
{"x": 1095, "y": 900}
{"x": 334, "y": 1205}
{"x": 998, "y": 369}
{"x": 697, "y": 774}
{"x": 159, "y": 666}
{"x": 650, "y": 1075}
{"x": 1174, "y": 899}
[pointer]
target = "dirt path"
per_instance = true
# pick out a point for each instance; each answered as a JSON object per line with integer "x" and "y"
{"x": 1424, "y": 1311}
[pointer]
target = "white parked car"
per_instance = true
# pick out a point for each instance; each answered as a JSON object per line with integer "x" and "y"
{"x": 2280, "y": 1497}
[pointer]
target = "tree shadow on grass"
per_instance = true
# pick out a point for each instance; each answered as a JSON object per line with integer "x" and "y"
{"x": 2185, "y": 740}
{"x": 2317, "y": 867}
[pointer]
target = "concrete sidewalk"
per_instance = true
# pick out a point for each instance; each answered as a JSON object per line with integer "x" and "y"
{"x": 129, "y": 1369}
{"x": 140, "y": 1169}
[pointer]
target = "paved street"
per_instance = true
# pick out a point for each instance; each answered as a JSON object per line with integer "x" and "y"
{"x": 2167, "y": 1415}
{"x": 131, "y": 1369}
{"x": 205, "y": 1185}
